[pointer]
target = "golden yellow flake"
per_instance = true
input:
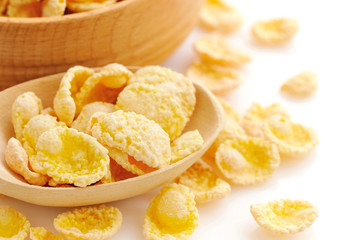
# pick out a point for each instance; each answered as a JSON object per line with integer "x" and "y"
{"x": 247, "y": 160}
{"x": 25, "y": 106}
{"x": 143, "y": 140}
{"x": 218, "y": 15}
{"x": 64, "y": 101}
{"x": 69, "y": 156}
{"x": 255, "y": 116}
{"x": 103, "y": 86}
{"x": 90, "y": 223}
{"x": 185, "y": 145}
{"x": 52, "y": 8}
{"x": 17, "y": 159}
{"x": 172, "y": 214}
{"x": 162, "y": 95}
{"x": 204, "y": 182}
{"x": 284, "y": 216}
{"x": 40, "y": 233}
{"x": 214, "y": 48}
{"x": 87, "y": 5}
{"x": 219, "y": 79}
{"x": 13, "y": 224}
{"x": 292, "y": 139}
{"x": 301, "y": 85}
{"x": 275, "y": 31}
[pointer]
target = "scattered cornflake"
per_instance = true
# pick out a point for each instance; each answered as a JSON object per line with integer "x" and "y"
{"x": 40, "y": 233}
{"x": 24, "y": 8}
{"x": 25, "y": 106}
{"x": 219, "y": 79}
{"x": 132, "y": 139}
{"x": 64, "y": 103}
{"x": 284, "y": 216}
{"x": 91, "y": 223}
{"x": 247, "y": 160}
{"x": 17, "y": 159}
{"x": 69, "y": 156}
{"x": 204, "y": 182}
{"x": 87, "y": 5}
{"x": 231, "y": 112}
{"x": 161, "y": 95}
{"x": 185, "y": 145}
{"x": 256, "y": 115}
{"x": 218, "y": 15}
{"x": 82, "y": 122}
{"x": 292, "y": 139}
{"x": 275, "y": 31}
{"x": 13, "y": 224}
{"x": 32, "y": 131}
{"x": 103, "y": 86}
{"x": 214, "y": 48}
{"x": 172, "y": 214}
{"x": 301, "y": 85}
{"x": 52, "y": 8}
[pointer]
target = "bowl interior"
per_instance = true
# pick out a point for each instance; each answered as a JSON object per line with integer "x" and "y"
{"x": 207, "y": 118}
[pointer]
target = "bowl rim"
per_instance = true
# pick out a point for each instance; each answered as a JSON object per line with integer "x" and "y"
{"x": 68, "y": 17}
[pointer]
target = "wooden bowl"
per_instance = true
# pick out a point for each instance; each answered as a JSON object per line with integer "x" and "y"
{"x": 131, "y": 32}
{"x": 207, "y": 118}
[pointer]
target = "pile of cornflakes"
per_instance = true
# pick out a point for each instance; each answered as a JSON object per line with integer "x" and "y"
{"x": 112, "y": 125}
{"x": 48, "y": 8}
{"x": 106, "y": 126}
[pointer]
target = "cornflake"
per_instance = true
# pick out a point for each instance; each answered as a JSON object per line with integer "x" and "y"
{"x": 284, "y": 216}
{"x": 204, "y": 182}
{"x": 32, "y": 131}
{"x": 275, "y": 31}
{"x": 185, "y": 145}
{"x": 17, "y": 159}
{"x": 53, "y": 8}
{"x": 13, "y": 224}
{"x": 215, "y": 49}
{"x": 218, "y": 79}
{"x": 87, "y": 5}
{"x": 247, "y": 160}
{"x": 256, "y": 115}
{"x": 40, "y": 233}
{"x": 69, "y": 156}
{"x": 292, "y": 139}
{"x": 103, "y": 86}
{"x": 24, "y": 8}
{"x": 161, "y": 95}
{"x": 64, "y": 103}
{"x": 301, "y": 85}
{"x": 172, "y": 214}
{"x": 25, "y": 106}
{"x": 91, "y": 223}
{"x": 133, "y": 140}
{"x": 82, "y": 122}
{"x": 217, "y": 15}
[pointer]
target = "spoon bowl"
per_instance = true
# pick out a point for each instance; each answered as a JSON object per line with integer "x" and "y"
{"x": 207, "y": 117}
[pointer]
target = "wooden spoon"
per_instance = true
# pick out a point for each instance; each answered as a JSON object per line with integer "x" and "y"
{"x": 207, "y": 118}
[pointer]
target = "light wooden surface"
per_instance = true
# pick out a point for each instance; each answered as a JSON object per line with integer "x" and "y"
{"x": 207, "y": 118}
{"x": 131, "y": 32}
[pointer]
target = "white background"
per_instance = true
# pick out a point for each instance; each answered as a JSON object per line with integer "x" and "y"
{"x": 329, "y": 44}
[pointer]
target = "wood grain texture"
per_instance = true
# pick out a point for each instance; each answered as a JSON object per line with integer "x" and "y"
{"x": 208, "y": 118}
{"x": 131, "y": 32}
